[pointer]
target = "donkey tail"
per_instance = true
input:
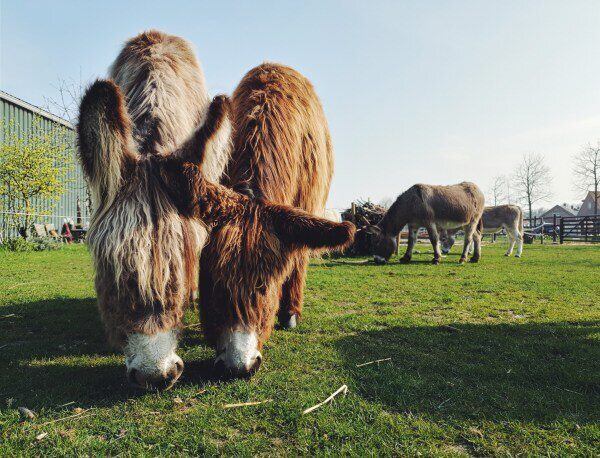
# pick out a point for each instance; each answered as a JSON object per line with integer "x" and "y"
{"x": 521, "y": 230}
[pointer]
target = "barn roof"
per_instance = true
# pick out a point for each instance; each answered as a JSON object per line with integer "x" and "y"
{"x": 37, "y": 110}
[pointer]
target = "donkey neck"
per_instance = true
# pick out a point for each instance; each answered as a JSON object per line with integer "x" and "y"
{"x": 396, "y": 217}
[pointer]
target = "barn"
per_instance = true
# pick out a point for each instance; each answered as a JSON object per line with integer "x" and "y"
{"x": 22, "y": 114}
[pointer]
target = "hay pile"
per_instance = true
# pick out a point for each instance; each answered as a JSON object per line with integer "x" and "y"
{"x": 362, "y": 214}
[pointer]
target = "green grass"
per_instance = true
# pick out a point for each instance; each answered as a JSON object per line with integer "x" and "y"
{"x": 521, "y": 376}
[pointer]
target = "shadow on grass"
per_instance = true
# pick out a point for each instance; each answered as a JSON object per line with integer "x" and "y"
{"x": 532, "y": 372}
{"x": 55, "y": 351}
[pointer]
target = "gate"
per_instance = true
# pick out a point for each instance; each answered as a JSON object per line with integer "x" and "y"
{"x": 580, "y": 229}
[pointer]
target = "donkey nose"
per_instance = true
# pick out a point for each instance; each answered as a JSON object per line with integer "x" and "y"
{"x": 156, "y": 381}
{"x": 237, "y": 368}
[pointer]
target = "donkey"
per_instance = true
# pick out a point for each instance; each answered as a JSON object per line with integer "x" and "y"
{"x": 435, "y": 208}
{"x": 494, "y": 219}
{"x": 152, "y": 149}
{"x": 145, "y": 252}
{"x": 283, "y": 153}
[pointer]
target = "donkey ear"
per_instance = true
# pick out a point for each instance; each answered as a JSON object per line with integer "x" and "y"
{"x": 299, "y": 228}
{"x": 104, "y": 136}
{"x": 210, "y": 145}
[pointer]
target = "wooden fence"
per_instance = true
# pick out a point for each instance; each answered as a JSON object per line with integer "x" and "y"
{"x": 580, "y": 229}
{"x": 564, "y": 229}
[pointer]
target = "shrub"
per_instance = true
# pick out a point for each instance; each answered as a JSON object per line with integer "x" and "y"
{"x": 19, "y": 244}
{"x": 45, "y": 244}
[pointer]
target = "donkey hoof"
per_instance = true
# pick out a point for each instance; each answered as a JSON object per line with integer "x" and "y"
{"x": 404, "y": 260}
{"x": 435, "y": 261}
{"x": 289, "y": 322}
{"x": 474, "y": 260}
{"x": 517, "y": 255}
{"x": 506, "y": 254}
{"x": 462, "y": 260}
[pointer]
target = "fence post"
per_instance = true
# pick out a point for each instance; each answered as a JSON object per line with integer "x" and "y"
{"x": 353, "y": 212}
{"x": 562, "y": 230}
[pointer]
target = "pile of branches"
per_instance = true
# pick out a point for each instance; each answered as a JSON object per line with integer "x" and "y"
{"x": 362, "y": 214}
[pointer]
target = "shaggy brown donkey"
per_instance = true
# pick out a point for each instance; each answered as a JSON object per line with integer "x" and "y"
{"x": 282, "y": 153}
{"x": 145, "y": 251}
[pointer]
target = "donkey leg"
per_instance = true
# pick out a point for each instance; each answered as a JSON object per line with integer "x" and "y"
{"x": 519, "y": 236}
{"x": 469, "y": 230}
{"x": 412, "y": 239}
{"x": 476, "y": 246}
{"x": 292, "y": 294}
{"x": 434, "y": 238}
{"x": 511, "y": 241}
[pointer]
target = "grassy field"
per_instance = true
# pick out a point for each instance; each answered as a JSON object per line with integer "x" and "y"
{"x": 516, "y": 373}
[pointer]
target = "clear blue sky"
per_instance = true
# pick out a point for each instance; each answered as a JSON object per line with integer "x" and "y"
{"x": 434, "y": 92}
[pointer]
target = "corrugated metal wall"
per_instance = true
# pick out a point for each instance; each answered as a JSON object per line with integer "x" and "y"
{"x": 23, "y": 114}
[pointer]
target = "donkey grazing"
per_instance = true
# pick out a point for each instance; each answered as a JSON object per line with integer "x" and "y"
{"x": 152, "y": 148}
{"x": 145, "y": 251}
{"x": 435, "y": 208}
{"x": 494, "y": 219}
{"x": 283, "y": 153}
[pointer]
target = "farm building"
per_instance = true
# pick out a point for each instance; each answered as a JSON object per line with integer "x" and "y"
{"x": 559, "y": 211}
{"x": 21, "y": 116}
{"x": 587, "y": 205}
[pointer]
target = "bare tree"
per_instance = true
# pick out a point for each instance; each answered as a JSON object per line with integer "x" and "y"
{"x": 497, "y": 190}
{"x": 531, "y": 181}
{"x": 66, "y": 102}
{"x": 587, "y": 171}
{"x": 66, "y": 105}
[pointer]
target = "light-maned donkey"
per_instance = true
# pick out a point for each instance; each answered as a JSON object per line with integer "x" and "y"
{"x": 436, "y": 208}
{"x": 283, "y": 153}
{"x": 153, "y": 149}
{"x": 494, "y": 219}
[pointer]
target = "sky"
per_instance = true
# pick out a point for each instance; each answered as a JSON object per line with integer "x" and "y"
{"x": 415, "y": 92}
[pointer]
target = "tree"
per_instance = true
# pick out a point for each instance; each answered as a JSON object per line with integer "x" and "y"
{"x": 587, "y": 172}
{"x": 34, "y": 166}
{"x": 531, "y": 181}
{"x": 66, "y": 105}
{"x": 497, "y": 190}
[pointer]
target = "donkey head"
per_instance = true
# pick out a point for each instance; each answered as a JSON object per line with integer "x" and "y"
{"x": 383, "y": 244}
{"x": 447, "y": 240}
{"x": 243, "y": 269}
{"x": 145, "y": 249}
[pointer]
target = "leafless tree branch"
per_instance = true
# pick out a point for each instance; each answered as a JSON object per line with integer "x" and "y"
{"x": 586, "y": 171}
{"x": 532, "y": 180}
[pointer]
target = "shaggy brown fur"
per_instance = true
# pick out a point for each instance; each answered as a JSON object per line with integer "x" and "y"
{"x": 257, "y": 264}
{"x": 145, "y": 251}
{"x": 432, "y": 207}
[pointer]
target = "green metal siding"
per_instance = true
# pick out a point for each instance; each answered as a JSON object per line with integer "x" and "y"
{"x": 23, "y": 114}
